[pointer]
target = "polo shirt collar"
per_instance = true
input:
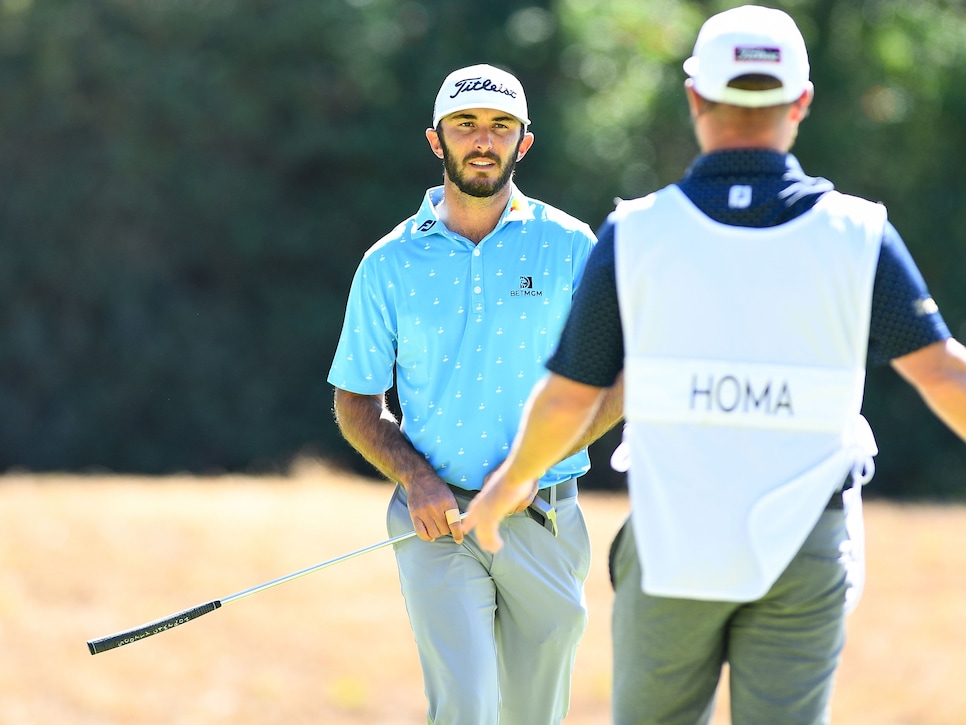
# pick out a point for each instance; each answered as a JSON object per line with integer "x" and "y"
{"x": 427, "y": 222}
{"x": 741, "y": 162}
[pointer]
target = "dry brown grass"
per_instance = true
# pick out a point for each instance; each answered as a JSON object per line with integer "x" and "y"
{"x": 84, "y": 557}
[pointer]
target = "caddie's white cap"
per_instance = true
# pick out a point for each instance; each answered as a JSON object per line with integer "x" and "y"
{"x": 749, "y": 40}
{"x": 481, "y": 86}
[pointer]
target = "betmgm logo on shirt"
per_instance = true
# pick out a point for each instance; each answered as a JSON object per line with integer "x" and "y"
{"x": 526, "y": 289}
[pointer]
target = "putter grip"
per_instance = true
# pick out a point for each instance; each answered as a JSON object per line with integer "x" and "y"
{"x": 146, "y": 630}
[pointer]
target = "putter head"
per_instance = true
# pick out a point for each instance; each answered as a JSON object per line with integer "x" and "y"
{"x": 541, "y": 512}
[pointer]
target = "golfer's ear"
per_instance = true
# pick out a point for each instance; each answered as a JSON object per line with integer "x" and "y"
{"x": 525, "y": 143}
{"x": 432, "y": 135}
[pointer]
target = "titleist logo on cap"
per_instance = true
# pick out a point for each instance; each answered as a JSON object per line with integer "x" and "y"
{"x": 773, "y": 55}
{"x": 482, "y": 84}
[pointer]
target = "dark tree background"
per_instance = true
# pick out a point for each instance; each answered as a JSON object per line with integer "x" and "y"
{"x": 188, "y": 187}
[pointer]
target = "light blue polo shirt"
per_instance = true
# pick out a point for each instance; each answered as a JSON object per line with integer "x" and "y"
{"x": 467, "y": 329}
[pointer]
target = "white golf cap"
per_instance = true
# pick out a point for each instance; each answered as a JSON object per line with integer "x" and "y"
{"x": 749, "y": 40}
{"x": 481, "y": 86}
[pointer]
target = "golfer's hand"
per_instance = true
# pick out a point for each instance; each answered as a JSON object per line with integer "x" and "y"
{"x": 431, "y": 507}
{"x": 495, "y": 502}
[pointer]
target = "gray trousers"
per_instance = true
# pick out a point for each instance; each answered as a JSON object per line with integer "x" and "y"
{"x": 496, "y": 635}
{"x": 782, "y": 650}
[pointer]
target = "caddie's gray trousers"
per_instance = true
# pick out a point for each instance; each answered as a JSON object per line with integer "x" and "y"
{"x": 782, "y": 649}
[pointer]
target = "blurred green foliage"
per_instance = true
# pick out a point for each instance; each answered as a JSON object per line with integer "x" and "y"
{"x": 188, "y": 186}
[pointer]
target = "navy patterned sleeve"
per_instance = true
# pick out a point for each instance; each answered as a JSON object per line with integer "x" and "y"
{"x": 904, "y": 316}
{"x": 591, "y": 347}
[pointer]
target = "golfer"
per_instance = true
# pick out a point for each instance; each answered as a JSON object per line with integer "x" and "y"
{"x": 742, "y": 305}
{"x": 464, "y": 303}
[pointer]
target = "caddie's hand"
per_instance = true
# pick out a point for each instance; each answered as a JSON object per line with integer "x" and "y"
{"x": 434, "y": 509}
{"x": 524, "y": 502}
{"x": 498, "y": 499}
{"x": 527, "y": 499}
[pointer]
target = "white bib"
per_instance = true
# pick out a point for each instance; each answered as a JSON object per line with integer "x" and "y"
{"x": 744, "y": 373}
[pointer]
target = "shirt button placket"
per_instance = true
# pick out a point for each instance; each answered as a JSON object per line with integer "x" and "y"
{"x": 477, "y": 279}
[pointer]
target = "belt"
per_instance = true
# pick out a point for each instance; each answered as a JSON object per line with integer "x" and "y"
{"x": 565, "y": 489}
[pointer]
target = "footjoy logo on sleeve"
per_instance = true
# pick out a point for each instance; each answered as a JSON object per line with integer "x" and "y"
{"x": 482, "y": 84}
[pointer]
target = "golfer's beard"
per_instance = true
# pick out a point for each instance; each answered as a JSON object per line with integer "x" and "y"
{"x": 474, "y": 186}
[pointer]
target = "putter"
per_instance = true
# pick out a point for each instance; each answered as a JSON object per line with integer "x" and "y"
{"x": 162, "y": 625}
